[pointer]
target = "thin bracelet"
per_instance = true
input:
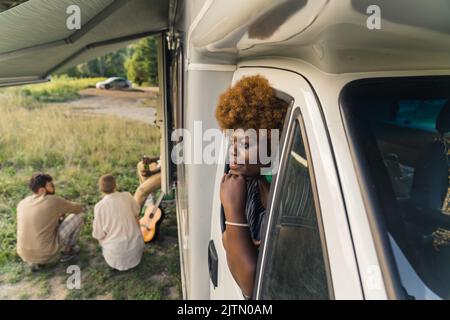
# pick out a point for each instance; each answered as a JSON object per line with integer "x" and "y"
{"x": 236, "y": 224}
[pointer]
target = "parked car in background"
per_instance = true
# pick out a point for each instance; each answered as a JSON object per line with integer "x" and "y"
{"x": 114, "y": 83}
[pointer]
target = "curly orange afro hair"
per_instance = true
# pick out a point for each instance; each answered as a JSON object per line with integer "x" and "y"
{"x": 251, "y": 104}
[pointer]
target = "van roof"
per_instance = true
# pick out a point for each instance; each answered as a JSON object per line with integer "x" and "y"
{"x": 332, "y": 35}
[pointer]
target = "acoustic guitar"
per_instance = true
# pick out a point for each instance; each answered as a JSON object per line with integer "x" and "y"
{"x": 151, "y": 220}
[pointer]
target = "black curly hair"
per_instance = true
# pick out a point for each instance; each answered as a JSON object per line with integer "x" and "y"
{"x": 39, "y": 180}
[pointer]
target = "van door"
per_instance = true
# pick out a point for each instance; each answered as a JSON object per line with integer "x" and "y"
{"x": 306, "y": 249}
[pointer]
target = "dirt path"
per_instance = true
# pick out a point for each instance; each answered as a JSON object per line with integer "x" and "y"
{"x": 53, "y": 289}
{"x": 137, "y": 104}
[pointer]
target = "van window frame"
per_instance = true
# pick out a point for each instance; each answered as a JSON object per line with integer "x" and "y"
{"x": 171, "y": 103}
{"x": 287, "y": 138}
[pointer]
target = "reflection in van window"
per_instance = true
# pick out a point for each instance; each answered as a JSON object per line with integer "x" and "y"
{"x": 420, "y": 114}
{"x": 401, "y": 130}
{"x": 295, "y": 267}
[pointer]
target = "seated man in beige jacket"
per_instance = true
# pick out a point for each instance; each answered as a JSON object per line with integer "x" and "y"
{"x": 42, "y": 228}
{"x": 116, "y": 226}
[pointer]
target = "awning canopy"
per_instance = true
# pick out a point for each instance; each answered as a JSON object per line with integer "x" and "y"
{"x": 35, "y": 40}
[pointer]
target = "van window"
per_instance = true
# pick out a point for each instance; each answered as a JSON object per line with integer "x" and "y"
{"x": 295, "y": 267}
{"x": 397, "y": 128}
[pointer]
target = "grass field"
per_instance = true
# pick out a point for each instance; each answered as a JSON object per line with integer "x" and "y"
{"x": 76, "y": 149}
{"x": 60, "y": 89}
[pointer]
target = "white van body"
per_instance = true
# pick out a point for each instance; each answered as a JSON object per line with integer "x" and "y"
{"x": 317, "y": 49}
{"x": 309, "y": 51}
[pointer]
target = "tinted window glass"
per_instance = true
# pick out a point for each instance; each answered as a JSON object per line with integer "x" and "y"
{"x": 420, "y": 114}
{"x": 295, "y": 267}
{"x": 401, "y": 147}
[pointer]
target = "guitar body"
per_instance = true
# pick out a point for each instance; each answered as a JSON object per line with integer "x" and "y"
{"x": 150, "y": 223}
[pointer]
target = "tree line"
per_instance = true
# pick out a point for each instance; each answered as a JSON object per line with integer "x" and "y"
{"x": 137, "y": 62}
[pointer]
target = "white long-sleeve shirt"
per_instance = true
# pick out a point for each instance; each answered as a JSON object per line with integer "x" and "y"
{"x": 117, "y": 230}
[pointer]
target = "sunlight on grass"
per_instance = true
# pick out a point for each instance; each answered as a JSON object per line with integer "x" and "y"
{"x": 55, "y": 137}
{"x": 60, "y": 89}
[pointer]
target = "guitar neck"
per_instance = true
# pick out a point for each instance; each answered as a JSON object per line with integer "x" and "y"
{"x": 158, "y": 202}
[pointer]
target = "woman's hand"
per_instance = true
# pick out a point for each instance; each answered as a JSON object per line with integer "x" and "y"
{"x": 233, "y": 195}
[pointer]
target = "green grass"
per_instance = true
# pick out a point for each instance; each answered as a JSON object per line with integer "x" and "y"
{"x": 60, "y": 89}
{"x": 152, "y": 279}
{"x": 76, "y": 149}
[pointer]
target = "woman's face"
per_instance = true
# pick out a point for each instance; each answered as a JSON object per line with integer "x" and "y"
{"x": 244, "y": 153}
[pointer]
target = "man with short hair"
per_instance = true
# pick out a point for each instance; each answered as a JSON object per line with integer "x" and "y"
{"x": 116, "y": 226}
{"x": 42, "y": 228}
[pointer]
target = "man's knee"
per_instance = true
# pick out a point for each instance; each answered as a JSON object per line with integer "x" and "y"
{"x": 81, "y": 215}
{"x": 140, "y": 190}
{"x": 81, "y": 218}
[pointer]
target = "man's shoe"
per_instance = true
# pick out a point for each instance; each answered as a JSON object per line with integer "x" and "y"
{"x": 75, "y": 249}
{"x": 34, "y": 267}
{"x": 67, "y": 256}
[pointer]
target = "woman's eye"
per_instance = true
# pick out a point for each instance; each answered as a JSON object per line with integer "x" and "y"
{"x": 245, "y": 145}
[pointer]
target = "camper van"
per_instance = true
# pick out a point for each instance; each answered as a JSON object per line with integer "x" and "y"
{"x": 357, "y": 208}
